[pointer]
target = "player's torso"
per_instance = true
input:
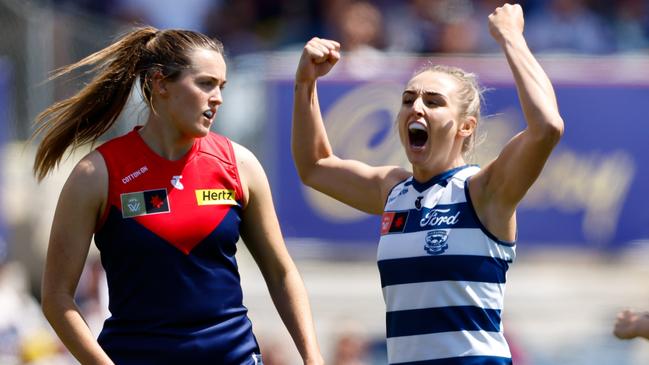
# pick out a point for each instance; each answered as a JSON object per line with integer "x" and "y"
{"x": 442, "y": 273}
{"x": 168, "y": 243}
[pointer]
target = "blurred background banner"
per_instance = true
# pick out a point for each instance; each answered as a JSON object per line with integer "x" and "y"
{"x": 592, "y": 193}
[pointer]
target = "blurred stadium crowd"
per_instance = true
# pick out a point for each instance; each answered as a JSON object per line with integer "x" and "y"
{"x": 419, "y": 26}
{"x": 594, "y": 27}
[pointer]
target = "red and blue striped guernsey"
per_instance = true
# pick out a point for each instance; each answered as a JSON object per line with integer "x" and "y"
{"x": 167, "y": 241}
{"x": 442, "y": 274}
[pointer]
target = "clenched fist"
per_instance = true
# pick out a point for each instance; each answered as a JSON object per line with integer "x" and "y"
{"x": 318, "y": 57}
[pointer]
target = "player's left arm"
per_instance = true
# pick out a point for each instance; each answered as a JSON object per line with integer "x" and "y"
{"x": 261, "y": 233}
{"x": 502, "y": 184}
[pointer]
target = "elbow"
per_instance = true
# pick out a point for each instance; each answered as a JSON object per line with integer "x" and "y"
{"x": 307, "y": 176}
{"x": 52, "y": 305}
{"x": 556, "y": 129}
{"x": 303, "y": 165}
{"x": 48, "y": 306}
{"x": 303, "y": 172}
{"x": 552, "y": 130}
{"x": 308, "y": 171}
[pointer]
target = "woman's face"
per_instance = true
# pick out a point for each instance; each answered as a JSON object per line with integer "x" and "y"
{"x": 428, "y": 119}
{"x": 192, "y": 100}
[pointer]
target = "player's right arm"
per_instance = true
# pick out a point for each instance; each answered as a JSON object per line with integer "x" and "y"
{"x": 352, "y": 182}
{"x": 80, "y": 205}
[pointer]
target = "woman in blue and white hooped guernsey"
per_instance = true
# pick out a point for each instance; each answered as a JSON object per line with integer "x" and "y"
{"x": 448, "y": 229}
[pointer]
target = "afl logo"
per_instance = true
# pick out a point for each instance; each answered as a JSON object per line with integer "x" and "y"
{"x": 436, "y": 241}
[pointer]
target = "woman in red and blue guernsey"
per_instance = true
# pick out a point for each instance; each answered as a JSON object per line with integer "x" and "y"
{"x": 166, "y": 204}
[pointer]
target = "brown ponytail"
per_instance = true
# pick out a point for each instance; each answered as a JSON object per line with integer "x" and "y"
{"x": 89, "y": 113}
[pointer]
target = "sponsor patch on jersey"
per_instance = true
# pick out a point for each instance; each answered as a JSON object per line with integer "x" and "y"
{"x": 436, "y": 241}
{"x": 144, "y": 202}
{"x": 215, "y": 197}
{"x": 393, "y": 222}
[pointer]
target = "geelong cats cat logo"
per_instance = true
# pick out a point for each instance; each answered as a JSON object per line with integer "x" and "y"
{"x": 436, "y": 241}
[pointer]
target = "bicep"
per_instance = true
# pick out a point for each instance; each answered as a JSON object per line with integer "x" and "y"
{"x": 75, "y": 218}
{"x": 355, "y": 183}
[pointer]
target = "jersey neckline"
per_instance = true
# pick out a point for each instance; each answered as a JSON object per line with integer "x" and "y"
{"x": 437, "y": 179}
{"x": 159, "y": 159}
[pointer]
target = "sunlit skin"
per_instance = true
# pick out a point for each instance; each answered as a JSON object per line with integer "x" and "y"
{"x": 179, "y": 105}
{"x": 429, "y": 100}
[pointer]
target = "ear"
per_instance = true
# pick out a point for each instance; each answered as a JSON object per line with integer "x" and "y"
{"x": 158, "y": 83}
{"x": 467, "y": 127}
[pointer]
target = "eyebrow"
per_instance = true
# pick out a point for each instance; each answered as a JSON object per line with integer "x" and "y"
{"x": 205, "y": 76}
{"x": 427, "y": 93}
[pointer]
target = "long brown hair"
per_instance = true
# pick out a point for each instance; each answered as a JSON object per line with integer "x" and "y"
{"x": 88, "y": 114}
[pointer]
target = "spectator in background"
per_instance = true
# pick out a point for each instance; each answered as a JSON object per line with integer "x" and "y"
{"x": 631, "y": 324}
{"x": 24, "y": 333}
{"x": 360, "y": 24}
{"x": 630, "y": 24}
{"x": 420, "y": 18}
{"x": 568, "y": 26}
{"x": 434, "y": 26}
{"x": 350, "y": 348}
{"x": 360, "y": 27}
{"x": 459, "y": 28}
{"x": 236, "y": 23}
{"x": 273, "y": 351}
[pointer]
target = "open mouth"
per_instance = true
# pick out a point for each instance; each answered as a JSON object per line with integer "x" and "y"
{"x": 208, "y": 114}
{"x": 417, "y": 135}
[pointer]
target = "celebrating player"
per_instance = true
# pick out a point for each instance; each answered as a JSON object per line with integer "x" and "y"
{"x": 448, "y": 229}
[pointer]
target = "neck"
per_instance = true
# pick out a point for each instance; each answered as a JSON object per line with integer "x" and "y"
{"x": 425, "y": 173}
{"x": 166, "y": 142}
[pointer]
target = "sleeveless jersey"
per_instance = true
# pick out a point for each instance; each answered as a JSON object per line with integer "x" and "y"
{"x": 167, "y": 242}
{"x": 442, "y": 274}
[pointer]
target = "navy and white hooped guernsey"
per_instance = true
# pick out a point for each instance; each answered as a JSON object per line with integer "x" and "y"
{"x": 442, "y": 274}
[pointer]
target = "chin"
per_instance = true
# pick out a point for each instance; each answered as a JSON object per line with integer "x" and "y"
{"x": 415, "y": 159}
{"x": 203, "y": 129}
{"x": 197, "y": 132}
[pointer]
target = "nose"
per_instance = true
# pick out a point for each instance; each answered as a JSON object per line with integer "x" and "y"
{"x": 418, "y": 106}
{"x": 216, "y": 98}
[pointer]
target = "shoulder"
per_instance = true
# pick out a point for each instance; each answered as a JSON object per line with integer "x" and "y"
{"x": 247, "y": 163}
{"x": 243, "y": 154}
{"x": 252, "y": 174}
{"x": 88, "y": 179}
{"x": 91, "y": 166}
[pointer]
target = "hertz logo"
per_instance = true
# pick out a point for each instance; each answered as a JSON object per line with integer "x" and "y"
{"x": 215, "y": 197}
